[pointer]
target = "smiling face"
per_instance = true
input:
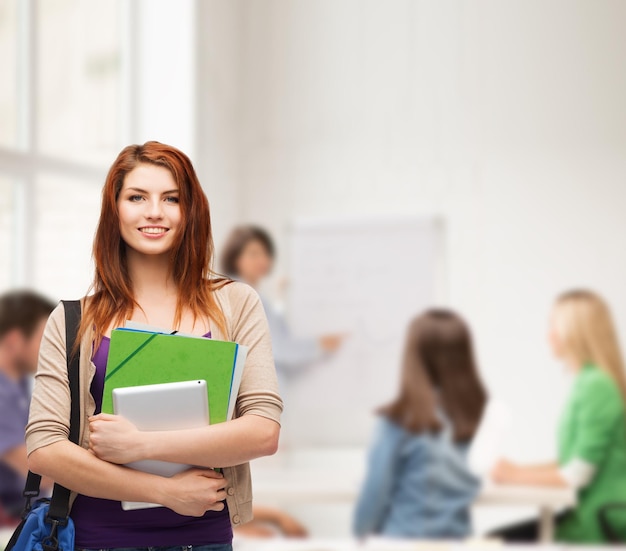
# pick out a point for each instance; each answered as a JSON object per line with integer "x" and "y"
{"x": 148, "y": 208}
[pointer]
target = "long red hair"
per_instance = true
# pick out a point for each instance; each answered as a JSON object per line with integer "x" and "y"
{"x": 191, "y": 256}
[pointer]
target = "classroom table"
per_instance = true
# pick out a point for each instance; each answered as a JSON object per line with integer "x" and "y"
{"x": 306, "y": 486}
{"x": 549, "y": 501}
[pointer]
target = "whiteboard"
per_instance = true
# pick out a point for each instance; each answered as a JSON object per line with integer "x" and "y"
{"x": 365, "y": 277}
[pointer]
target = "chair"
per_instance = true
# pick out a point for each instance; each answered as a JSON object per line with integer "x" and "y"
{"x": 610, "y": 532}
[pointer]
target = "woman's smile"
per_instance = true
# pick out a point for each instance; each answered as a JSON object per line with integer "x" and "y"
{"x": 153, "y": 232}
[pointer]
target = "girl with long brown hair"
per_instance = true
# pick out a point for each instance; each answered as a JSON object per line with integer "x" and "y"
{"x": 153, "y": 252}
{"x": 418, "y": 484}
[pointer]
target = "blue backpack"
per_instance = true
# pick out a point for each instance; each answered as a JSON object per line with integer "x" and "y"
{"x": 39, "y": 532}
{"x": 46, "y": 525}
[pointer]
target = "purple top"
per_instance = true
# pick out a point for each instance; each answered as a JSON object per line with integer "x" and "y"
{"x": 14, "y": 402}
{"x": 102, "y": 523}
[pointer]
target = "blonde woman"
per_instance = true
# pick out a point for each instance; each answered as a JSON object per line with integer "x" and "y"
{"x": 592, "y": 431}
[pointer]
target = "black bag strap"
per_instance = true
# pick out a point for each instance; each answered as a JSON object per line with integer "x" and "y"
{"x": 60, "y": 502}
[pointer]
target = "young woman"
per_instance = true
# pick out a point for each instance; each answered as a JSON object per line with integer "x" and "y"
{"x": 592, "y": 432}
{"x": 152, "y": 251}
{"x": 418, "y": 484}
{"x": 248, "y": 255}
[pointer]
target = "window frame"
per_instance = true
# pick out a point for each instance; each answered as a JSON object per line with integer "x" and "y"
{"x": 23, "y": 163}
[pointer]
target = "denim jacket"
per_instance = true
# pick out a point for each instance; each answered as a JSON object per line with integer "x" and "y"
{"x": 417, "y": 486}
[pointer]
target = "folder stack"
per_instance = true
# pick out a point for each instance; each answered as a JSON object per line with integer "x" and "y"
{"x": 143, "y": 357}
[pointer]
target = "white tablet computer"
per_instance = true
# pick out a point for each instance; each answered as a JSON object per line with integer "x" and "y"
{"x": 168, "y": 406}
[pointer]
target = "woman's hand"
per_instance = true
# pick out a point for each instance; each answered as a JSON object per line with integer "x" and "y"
{"x": 193, "y": 492}
{"x": 290, "y": 527}
{"x": 504, "y": 471}
{"x": 331, "y": 343}
{"x": 548, "y": 474}
{"x": 114, "y": 439}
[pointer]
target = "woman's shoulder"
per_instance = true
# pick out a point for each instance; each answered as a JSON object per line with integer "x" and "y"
{"x": 58, "y": 313}
{"x": 54, "y": 332}
{"x": 56, "y": 320}
{"x": 57, "y": 316}
{"x": 235, "y": 292}
{"x": 595, "y": 377}
{"x": 595, "y": 384}
{"x": 240, "y": 305}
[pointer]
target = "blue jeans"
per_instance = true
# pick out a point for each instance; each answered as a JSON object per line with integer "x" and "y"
{"x": 215, "y": 547}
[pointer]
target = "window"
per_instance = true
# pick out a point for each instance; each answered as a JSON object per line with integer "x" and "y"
{"x": 61, "y": 108}
{"x": 78, "y": 79}
{"x": 7, "y": 240}
{"x": 62, "y": 258}
{"x": 8, "y": 70}
{"x": 73, "y": 74}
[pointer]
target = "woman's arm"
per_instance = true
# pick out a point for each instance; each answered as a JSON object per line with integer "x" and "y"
{"x": 254, "y": 432}
{"x": 506, "y": 464}
{"x": 598, "y": 405}
{"x": 376, "y": 492}
{"x": 17, "y": 460}
{"x": 50, "y": 453}
{"x": 291, "y": 353}
{"x": 191, "y": 493}
{"x": 549, "y": 474}
{"x": 542, "y": 466}
{"x": 223, "y": 445}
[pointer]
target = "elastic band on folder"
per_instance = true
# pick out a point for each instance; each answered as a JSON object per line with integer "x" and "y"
{"x": 129, "y": 357}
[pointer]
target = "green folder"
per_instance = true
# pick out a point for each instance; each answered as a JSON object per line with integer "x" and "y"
{"x": 144, "y": 358}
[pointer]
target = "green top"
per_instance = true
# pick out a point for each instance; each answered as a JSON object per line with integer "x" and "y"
{"x": 593, "y": 429}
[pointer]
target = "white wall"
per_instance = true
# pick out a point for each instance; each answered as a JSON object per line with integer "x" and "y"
{"x": 218, "y": 101}
{"x": 165, "y": 73}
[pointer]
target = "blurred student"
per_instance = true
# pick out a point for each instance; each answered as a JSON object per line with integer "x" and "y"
{"x": 248, "y": 255}
{"x": 418, "y": 484}
{"x": 592, "y": 432}
{"x": 23, "y": 316}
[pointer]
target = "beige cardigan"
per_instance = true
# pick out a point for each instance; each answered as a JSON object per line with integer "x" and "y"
{"x": 246, "y": 324}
